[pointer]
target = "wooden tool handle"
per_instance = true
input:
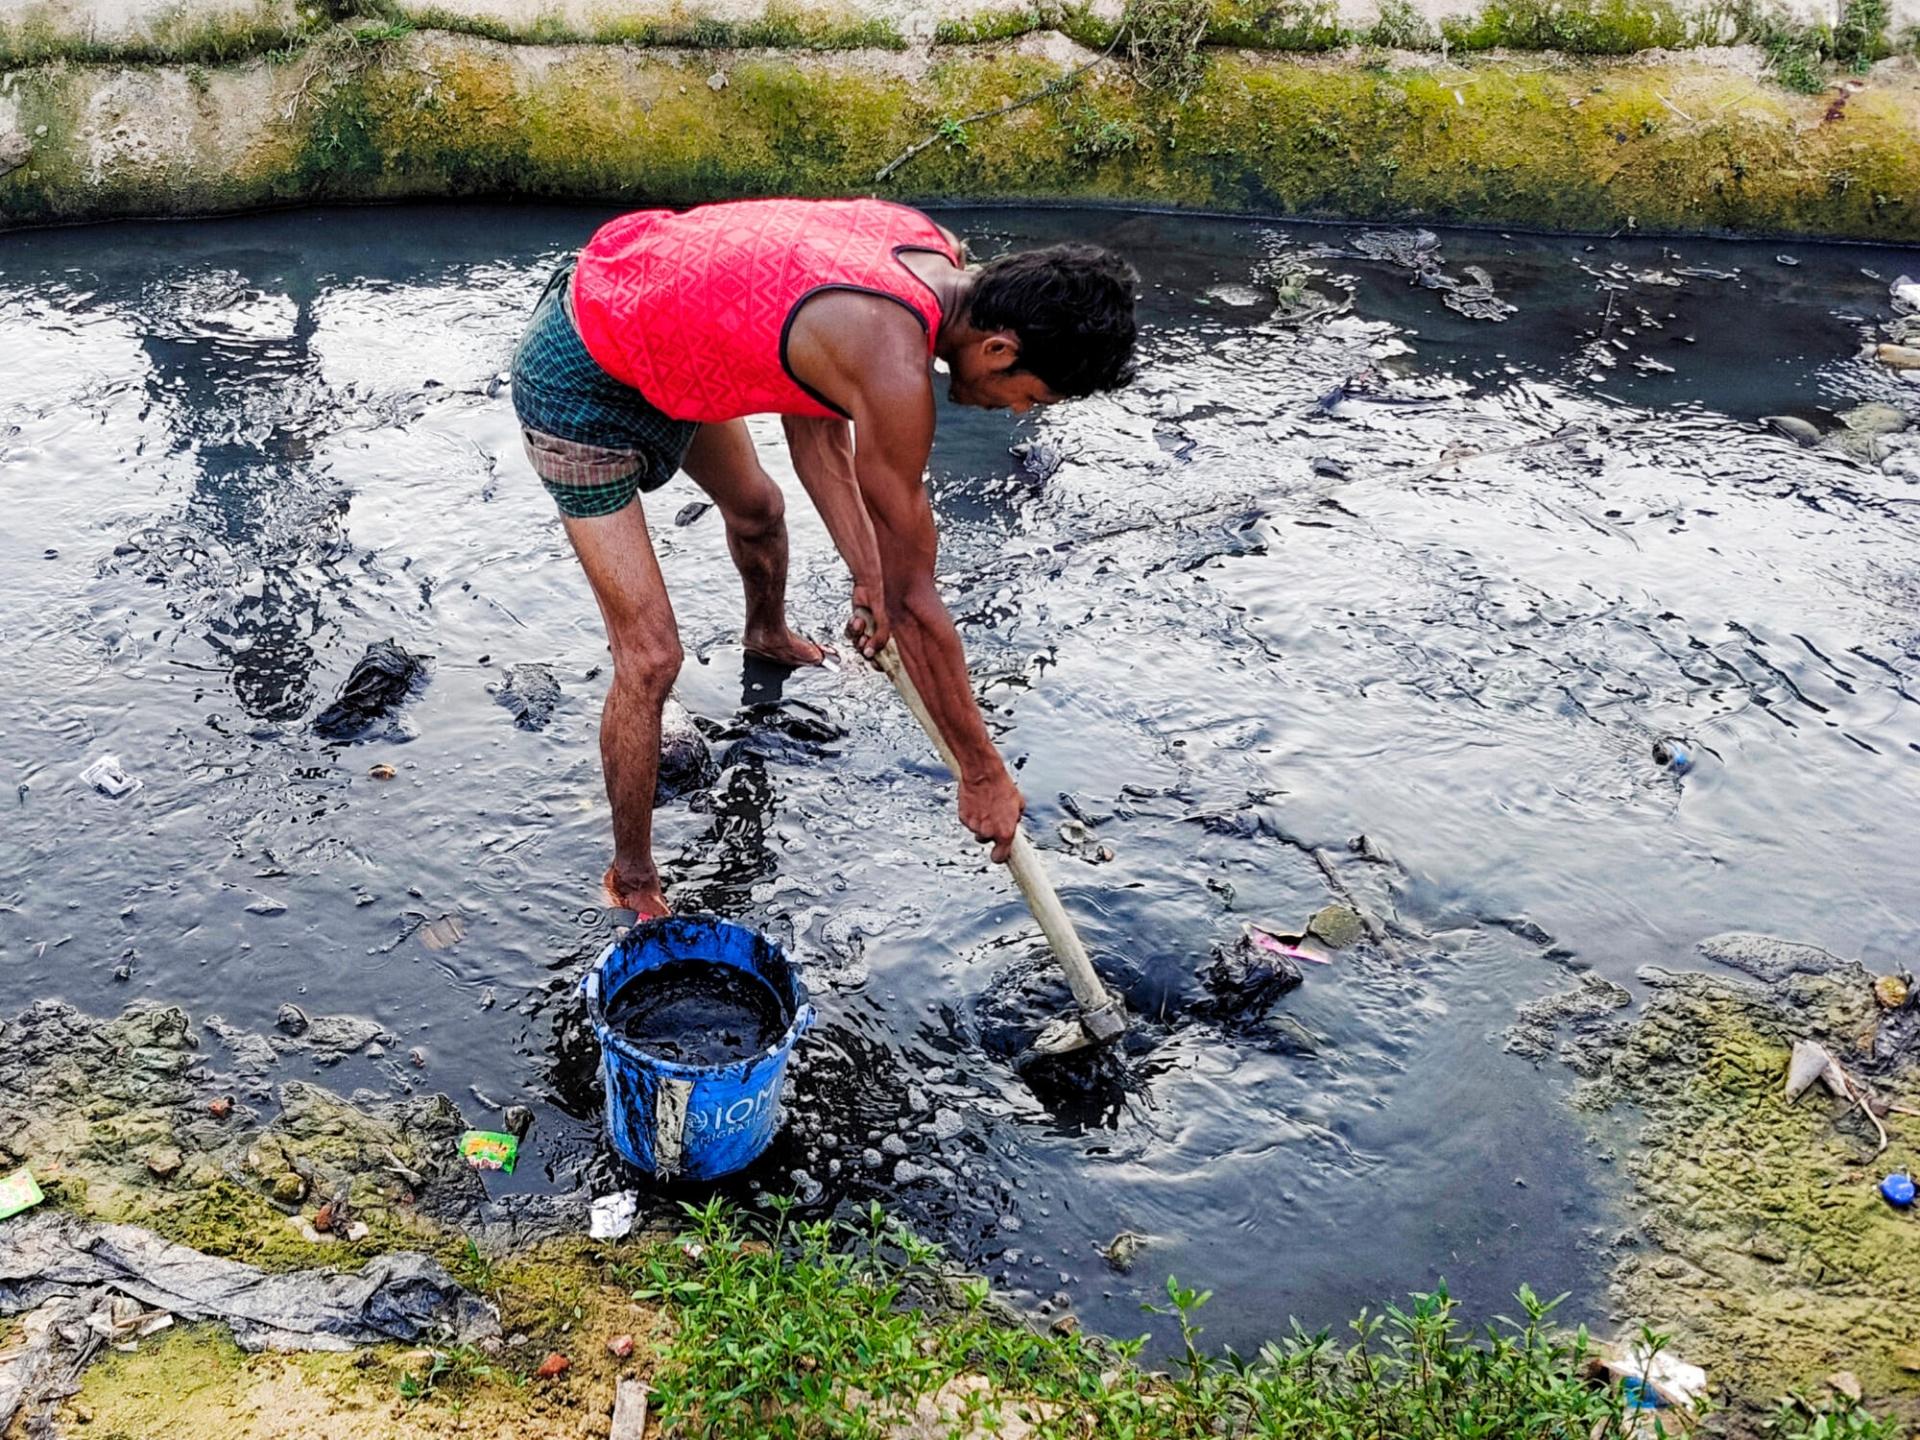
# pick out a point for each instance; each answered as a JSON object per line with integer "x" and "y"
{"x": 1029, "y": 873}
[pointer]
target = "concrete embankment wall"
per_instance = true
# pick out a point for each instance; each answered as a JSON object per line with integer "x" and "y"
{"x": 1591, "y": 114}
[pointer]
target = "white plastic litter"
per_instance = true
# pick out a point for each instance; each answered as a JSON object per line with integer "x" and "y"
{"x": 105, "y": 775}
{"x": 611, "y": 1216}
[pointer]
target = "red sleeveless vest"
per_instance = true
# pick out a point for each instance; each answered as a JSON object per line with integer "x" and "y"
{"x": 692, "y": 308}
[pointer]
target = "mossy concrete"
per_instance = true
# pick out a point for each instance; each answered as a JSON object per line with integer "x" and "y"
{"x": 1676, "y": 144}
{"x": 1763, "y": 1246}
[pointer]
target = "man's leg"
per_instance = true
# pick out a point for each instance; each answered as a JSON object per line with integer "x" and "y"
{"x": 722, "y": 462}
{"x": 617, "y": 554}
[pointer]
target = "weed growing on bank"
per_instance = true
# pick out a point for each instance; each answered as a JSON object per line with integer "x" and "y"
{"x": 813, "y": 1328}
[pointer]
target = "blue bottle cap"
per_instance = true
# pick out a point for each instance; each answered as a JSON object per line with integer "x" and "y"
{"x": 1898, "y": 1188}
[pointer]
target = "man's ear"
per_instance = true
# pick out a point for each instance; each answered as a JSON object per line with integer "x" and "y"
{"x": 1001, "y": 350}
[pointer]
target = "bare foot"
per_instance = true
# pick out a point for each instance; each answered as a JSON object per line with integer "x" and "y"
{"x": 783, "y": 647}
{"x": 646, "y": 901}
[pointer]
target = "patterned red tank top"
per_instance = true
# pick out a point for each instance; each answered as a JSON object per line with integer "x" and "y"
{"x": 692, "y": 308}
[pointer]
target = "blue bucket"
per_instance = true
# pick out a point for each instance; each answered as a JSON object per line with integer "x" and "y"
{"x": 692, "y": 1122}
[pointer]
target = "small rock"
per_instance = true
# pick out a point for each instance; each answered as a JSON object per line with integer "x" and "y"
{"x": 267, "y": 905}
{"x": 1123, "y": 1250}
{"x": 383, "y": 771}
{"x": 1338, "y": 925}
{"x": 164, "y": 1161}
{"x": 1794, "y": 428}
{"x": 692, "y": 511}
{"x": 1768, "y": 1248}
{"x": 530, "y": 694}
{"x": 1875, "y": 418}
{"x": 1847, "y": 1383}
{"x": 1067, "y": 1324}
{"x": 1907, "y": 1357}
{"x": 1890, "y": 991}
{"x": 620, "y": 1346}
{"x": 553, "y": 1366}
{"x": 15, "y": 150}
{"x": 357, "y": 1231}
{"x": 518, "y": 1120}
{"x": 292, "y": 1020}
{"x": 220, "y": 1109}
{"x": 717, "y": 81}
{"x": 1899, "y": 357}
{"x": 289, "y": 1188}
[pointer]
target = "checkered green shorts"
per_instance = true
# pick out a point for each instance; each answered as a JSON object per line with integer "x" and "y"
{"x": 594, "y": 442}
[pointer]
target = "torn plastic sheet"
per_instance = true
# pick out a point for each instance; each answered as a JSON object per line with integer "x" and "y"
{"x": 403, "y": 1297}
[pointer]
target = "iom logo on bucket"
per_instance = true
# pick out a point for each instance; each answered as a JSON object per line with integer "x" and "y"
{"x": 722, "y": 1117}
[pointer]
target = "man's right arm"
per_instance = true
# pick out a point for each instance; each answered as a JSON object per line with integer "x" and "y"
{"x": 893, "y": 419}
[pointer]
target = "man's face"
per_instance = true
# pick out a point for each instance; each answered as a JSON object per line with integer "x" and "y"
{"x": 984, "y": 375}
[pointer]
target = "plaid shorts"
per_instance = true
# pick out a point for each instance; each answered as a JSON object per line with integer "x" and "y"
{"x": 594, "y": 442}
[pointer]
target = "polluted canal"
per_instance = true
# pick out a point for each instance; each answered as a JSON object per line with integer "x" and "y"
{"x": 1459, "y": 581}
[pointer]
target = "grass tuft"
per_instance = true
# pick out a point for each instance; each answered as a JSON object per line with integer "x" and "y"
{"x": 812, "y": 1329}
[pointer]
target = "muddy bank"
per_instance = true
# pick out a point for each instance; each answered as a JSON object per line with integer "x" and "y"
{"x": 1670, "y": 142}
{"x": 1760, "y": 1240}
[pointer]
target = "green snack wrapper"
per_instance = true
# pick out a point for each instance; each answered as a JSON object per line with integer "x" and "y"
{"x": 20, "y": 1191}
{"x": 490, "y": 1150}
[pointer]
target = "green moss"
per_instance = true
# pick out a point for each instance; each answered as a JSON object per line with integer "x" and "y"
{"x": 1569, "y": 146}
{"x": 1776, "y": 1260}
{"x": 1803, "y": 57}
{"x": 279, "y": 30}
{"x": 1580, "y": 27}
{"x": 1401, "y": 27}
{"x": 236, "y": 1222}
{"x": 986, "y": 25}
{"x": 1298, "y": 25}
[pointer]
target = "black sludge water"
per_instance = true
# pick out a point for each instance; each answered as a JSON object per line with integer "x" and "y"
{"x": 1394, "y": 601}
{"x": 697, "y": 1013}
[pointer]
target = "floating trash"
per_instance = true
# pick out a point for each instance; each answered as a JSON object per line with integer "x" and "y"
{"x": 19, "y": 1191}
{"x": 489, "y": 1150}
{"x": 106, "y": 776}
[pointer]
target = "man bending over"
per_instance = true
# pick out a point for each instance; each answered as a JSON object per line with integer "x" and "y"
{"x": 649, "y": 348}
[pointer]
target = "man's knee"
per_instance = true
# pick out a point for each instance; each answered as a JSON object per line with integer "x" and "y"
{"x": 648, "y": 663}
{"x": 759, "y": 512}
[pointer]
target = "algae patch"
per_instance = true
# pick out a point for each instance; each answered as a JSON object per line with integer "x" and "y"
{"x": 1771, "y": 1258}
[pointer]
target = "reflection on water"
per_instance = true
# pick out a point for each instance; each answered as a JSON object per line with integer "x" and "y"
{"x": 1388, "y": 604}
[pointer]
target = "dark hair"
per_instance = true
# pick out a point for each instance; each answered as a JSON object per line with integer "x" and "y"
{"x": 1071, "y": 306}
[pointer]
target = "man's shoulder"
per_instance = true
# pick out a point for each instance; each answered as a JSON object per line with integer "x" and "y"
{"x": 863, "y": 335}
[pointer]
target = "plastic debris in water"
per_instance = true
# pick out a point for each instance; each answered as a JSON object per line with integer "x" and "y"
{"x": 19, "y": 1191}
{"x": 1293, "y": 947}
{"x": 1898, "y": 1191}
{"x": 1674, "y": 754}
{"x": 380, "y": 680}
{"x": 106, "y": 776}
{"x": 489, "y": 1150}
{"x": 443, "y": 933}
